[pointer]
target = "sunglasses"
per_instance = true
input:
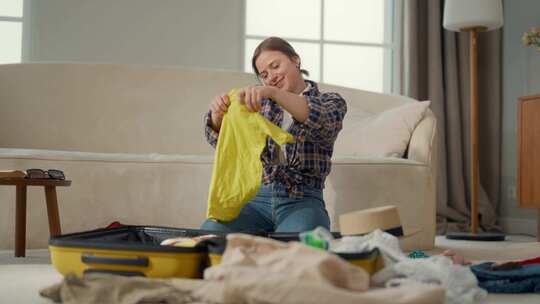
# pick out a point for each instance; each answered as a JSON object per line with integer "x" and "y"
{"x": 45, "y": 174}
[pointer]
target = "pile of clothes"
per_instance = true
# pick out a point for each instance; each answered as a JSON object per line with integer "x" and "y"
{"x": 256, "y": 269}
{"x": 459, "y": 282}
{"x": 252, "y": 270}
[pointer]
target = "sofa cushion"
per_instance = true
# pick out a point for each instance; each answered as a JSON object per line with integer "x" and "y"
{"x": 383, "y": 134}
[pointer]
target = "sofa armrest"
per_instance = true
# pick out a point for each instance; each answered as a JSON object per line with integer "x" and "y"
{"x": 422, "y": 143}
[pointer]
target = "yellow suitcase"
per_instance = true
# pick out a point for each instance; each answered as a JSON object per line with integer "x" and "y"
{"x": 128, "y": 250}
{"x": 371, "y": 261}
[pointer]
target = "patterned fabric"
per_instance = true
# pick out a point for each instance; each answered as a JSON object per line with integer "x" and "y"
{"x": 309, "y": 157}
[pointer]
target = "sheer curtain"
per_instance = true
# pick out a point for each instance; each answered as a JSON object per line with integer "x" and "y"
{"x": 436, "y": 68}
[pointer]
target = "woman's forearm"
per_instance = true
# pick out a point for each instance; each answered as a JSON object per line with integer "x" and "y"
{"x": 295, "y": 104}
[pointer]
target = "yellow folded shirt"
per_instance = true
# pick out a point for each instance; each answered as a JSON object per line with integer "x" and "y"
{"x": 237, "y": 171}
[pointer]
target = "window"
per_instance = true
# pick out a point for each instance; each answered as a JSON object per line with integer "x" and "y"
{"x": 11, "y": 20}
{"x": 350, "y": 43}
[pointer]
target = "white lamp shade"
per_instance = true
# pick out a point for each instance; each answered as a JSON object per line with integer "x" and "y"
{"x": 461, "y": 14}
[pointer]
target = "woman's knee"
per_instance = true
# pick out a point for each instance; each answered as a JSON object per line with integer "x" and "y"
{"x": 303, "y": 219}
{"x": 214, "y": 225}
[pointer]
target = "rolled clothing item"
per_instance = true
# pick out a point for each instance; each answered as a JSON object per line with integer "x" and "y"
{"x": 186, "y": 241}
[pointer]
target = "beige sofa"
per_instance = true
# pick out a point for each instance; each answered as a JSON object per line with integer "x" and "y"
{"x": 131, "y": 140}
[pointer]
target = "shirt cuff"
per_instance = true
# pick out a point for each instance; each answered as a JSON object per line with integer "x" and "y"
{"x": 211, "y": 134}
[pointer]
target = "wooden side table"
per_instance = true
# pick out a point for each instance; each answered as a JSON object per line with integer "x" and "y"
{"x": 20, "y": 208}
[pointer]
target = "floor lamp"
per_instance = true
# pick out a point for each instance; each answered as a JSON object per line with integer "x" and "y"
{"x": 473, "y": 16}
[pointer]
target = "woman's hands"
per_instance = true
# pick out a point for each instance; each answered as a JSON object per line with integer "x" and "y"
{"x": 252, "y": 96}
{"x": 218, "y": 107}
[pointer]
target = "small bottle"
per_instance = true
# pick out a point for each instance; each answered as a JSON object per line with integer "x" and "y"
{"x": 318, "y": 238}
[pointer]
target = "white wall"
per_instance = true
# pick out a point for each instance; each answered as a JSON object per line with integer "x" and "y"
{"x": 196, "y": 33}
{"x": 521, "y": 76}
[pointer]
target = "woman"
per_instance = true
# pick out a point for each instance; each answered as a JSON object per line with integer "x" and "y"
{"x": 290, "y": 198}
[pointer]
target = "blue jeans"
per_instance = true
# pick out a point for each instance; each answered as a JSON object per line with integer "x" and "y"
{"x": 273, "y": 211}
{"x": 522, "y": 280}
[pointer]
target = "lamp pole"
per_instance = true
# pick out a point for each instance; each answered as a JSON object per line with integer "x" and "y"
{"x": 474, "y": 125}
{"x": 473, "y": 17}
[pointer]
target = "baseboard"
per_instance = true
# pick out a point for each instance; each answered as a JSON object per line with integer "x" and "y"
{"x": 519, "y": 226}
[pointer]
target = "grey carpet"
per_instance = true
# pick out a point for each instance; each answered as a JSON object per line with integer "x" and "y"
{"x": 34, "y": 256}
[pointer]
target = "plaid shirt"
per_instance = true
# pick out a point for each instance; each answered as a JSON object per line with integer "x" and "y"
{"x": 308, "y": 159}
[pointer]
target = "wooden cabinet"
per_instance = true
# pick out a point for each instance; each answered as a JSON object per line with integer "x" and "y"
{"x": 528, "y": 184}
{"x": 529, "y": 151}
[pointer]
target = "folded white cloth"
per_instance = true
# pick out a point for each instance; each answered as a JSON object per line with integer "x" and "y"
{"x": 460, "y": 283}
{"x": 387, "y": 244}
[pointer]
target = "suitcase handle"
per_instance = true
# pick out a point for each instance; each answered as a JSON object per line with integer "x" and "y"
{"x": 115, "y": 272}
{"x": 89, "y": 258}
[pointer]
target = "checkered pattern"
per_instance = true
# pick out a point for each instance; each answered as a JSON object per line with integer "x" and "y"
{"x": 308, "y": 159}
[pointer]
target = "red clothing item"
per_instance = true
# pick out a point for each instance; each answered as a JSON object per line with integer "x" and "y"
{"x": 530, "y": 261}
{"x": 114, "y": 225}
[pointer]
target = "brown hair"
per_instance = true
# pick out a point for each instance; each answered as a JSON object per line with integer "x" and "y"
{"x": 275, "y": 44}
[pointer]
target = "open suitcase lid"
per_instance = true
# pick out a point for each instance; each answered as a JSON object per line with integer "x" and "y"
{"x": 149, "y": 238}
{"x": 130, "y": 237}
